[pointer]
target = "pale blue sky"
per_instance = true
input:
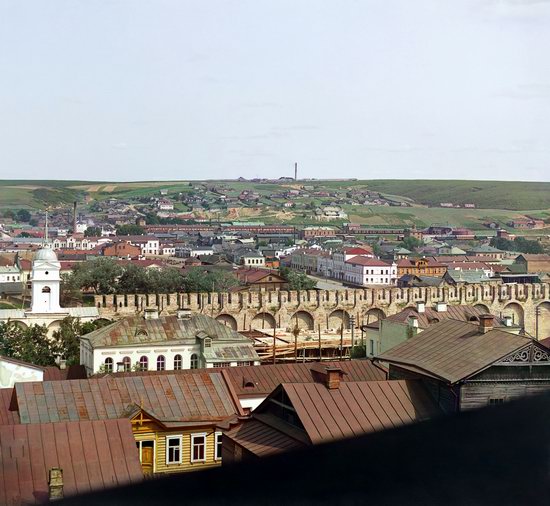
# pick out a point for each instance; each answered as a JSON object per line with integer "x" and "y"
{"x": 178, "y": 89}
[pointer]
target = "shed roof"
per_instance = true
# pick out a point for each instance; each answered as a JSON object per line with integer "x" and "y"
{"x": 93, "y": 456}
{"x": 453, "y": 350}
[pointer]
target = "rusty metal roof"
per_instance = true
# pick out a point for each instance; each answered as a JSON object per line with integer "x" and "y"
{"x": 356, "y": 408}
{"x": 7, "y": 417}
{"x": 261, "y": 380}
{"x": 179, "y": 398}
{"x": 254, "y": 381}
{"x": 430, "y": 315}
{"x": 352, "y": 409}
{"x": 93, "y": 455}
{"x": 263, "y": 439}
{"x": 136, "y": 330}
{"x": 453, "y": 350}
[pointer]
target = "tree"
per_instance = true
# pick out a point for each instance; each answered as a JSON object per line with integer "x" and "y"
{"x": 24, "y": 234}
{"x": 100, "y": 275}
{"x": 196, "y": 280}
{"x": 23, "y": 215}
{"x": 92, "y": 232}
{"x": 297, "y": 280}
{"x": 130, "y": 230}
{"x": 29, "y": 344}
{"x": 133, "y": 280}
{"x": 411, "y": 243}
{"x": 66, "y": 340}
{"x": 518, "y": 244}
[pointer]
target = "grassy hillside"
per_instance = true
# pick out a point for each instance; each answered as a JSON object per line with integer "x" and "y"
{"x": 484, "y": 194}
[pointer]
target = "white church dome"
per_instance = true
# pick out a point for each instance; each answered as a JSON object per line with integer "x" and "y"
{"x": 46, "y": 254}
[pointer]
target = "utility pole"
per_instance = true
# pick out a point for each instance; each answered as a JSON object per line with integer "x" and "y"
{"x": 342, "y": 341}
{"x": 352, "y": 325}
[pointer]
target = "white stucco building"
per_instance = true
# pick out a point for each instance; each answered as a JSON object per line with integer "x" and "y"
{"x": 370, "y": 271}
{"x": 165, "y": 343}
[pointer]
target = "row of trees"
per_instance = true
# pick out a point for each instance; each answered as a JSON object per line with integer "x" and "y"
{"x": 104, "y": 276}
{"x": 518, "y": 244}
{"x": 32, "y": 344}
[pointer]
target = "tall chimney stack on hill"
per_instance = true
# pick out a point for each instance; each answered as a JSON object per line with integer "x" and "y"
{"x": 74, "y": 217}
{"x": 295, "y": 171}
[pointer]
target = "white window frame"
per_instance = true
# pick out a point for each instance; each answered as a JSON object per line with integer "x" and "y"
{"x": 193, "y": 437}
{"x": 168, "y": 461}
{"x": 216, "y": 436}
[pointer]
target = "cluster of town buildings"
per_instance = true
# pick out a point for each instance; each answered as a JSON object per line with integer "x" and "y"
{"x": 159, "y": 393}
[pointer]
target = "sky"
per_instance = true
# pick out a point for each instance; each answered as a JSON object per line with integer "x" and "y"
{"x": 127, "y": 90}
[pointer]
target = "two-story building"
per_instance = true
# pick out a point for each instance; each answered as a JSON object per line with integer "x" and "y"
{"x": 364, "y": 271}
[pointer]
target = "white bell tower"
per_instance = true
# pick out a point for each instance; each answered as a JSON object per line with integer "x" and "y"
{"x": 46, "y": 279}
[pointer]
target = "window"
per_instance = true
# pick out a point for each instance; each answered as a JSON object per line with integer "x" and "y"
{"x": 143, "y": 363}
{"x": 173, "y": 450}
{"x": 494, "y": 401}
{"x": 46, "y": 289}
{"x": 218, "y": 448}
{"x": 177, "y": 362}
{"x": 127, "y": 363}
{"x": 243, "y": 364}
{"x": 222, "y": 364}
{"x": 207, "y": 342}
{"x": 372, "y": 346}
{"x": 161, "y": 363}
{"x": 198, "y": 447}
{"x": 194, "y": 361}
{"x": 108, "y": 364}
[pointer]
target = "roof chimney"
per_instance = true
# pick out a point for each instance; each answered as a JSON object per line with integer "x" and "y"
{"x": 441, "y": 307}
{"x": 151, "y": 313}
{"x": 413, "y": 320}
{"x": 184, "y": 314}
{"x": 420, "y": 307}
{"x": 485, "y": 323}
{"x": 332, "y": 378}
{"x": 55, "y": 484}
{"x": 508, "y": 321}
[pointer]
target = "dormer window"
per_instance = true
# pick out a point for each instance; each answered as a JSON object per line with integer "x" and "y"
{"x": 207, "y": 342}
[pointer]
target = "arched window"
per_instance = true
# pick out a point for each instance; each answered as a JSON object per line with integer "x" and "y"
{"x": 143, "y": 363}
{"x": 161, "y": 363}
{"x": 46, "y": 289}
{"x": 108, "y": 364}
{"x": 127, "y": 363}
{"x": 194, "y": 361}
{"x": 178, "y": 363}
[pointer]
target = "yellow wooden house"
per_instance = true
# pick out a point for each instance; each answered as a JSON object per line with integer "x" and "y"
{"x": 174, "y": 417}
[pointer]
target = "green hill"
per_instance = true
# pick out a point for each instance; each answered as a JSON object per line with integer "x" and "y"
{"x": 484, "y": 194}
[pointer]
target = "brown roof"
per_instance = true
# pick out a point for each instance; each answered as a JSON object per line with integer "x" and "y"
{"x": 372, "y": 262}
{"x": 93, "y": 455}
{"x": 261, "y": 380}
{"x": 174, "y": 399}
{"x": 352, "y": 409}
{"x": 254, "y": 381}
{"x": 7, "y": 417}
{"x": 263, "y": 439}
{"x": 430, "y": 315}
{"x": 356, "y": 408}
{"x": 453, "y": 350}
